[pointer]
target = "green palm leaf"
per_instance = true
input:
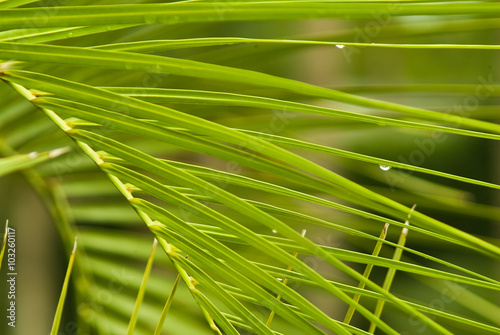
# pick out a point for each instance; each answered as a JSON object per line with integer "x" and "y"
{"x": 191, "y": 122}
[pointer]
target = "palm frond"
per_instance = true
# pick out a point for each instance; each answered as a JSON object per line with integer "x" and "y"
{"x": 191, "y": 122}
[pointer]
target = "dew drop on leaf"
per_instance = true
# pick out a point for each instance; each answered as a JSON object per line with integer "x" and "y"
{"x": 385, "y": 167}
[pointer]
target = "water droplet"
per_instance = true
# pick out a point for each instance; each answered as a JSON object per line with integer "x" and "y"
{"x": 33, "y": 155}
{"x": 385, "y": 167}
{"x": 280, "y": 279}
{"x": 274, "y": 231}
{"x": 340, "y": 46}
{"x": 70, "y": 34}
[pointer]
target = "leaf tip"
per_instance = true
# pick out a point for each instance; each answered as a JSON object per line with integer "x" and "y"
{"x": 8, "y": 65}
{"x": 58, "y": 152}
{"x": 74, "y": 246}
{"x": 386, "y": 227}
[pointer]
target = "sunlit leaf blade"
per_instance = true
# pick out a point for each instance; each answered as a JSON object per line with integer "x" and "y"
{"x": 225, "y": 197}
{"x": 121, "y": 60}
{"x": 203, "y": 12}
{"x": 162, "y": 45}
{"x": 142, "y": 291}
{"x": 168, "y": 303}
{"x": 4, "y": 241}
{"x": 64, "y": 292}
{"x": 287, "y": 142}
{"x": 391, "y": 272}
{"x": 284, "y": 281}
{"x": 229, "y": 99}
{"x": 142, "y": 109}
{"x": 366, "y": 273}
{"x": 20, "y": 162}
